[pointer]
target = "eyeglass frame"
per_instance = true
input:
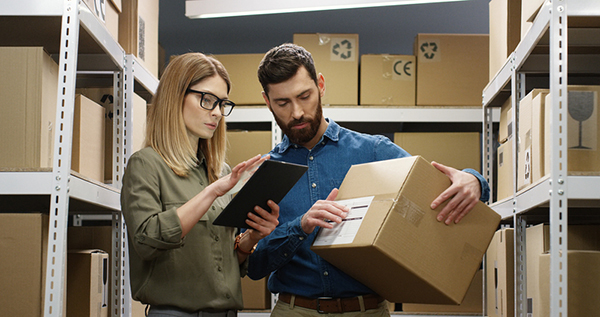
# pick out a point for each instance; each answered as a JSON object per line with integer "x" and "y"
{"x": 218, "y": 102}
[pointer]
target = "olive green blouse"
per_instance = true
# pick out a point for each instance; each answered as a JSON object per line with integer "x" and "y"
{"x": 198, "y": 272}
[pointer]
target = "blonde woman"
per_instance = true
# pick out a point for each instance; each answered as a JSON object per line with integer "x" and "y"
{"x": 173, "y": 189}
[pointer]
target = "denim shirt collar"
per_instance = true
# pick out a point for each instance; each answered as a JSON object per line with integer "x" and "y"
{"x": 332, "y": 133}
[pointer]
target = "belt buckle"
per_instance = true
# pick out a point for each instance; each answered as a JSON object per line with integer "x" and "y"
{"x": 320, "y": 311}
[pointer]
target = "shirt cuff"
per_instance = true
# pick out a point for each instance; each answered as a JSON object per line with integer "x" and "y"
{"x": 485, "y": 187}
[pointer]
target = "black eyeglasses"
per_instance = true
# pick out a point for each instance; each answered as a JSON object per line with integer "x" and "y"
{"x": 209, "y": 101}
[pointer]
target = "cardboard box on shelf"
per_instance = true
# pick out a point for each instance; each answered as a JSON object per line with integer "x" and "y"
{"x": 246, "y": 89}
{"x": 471, "y": 304}
{"x": 505, "y": 130}
{"x": 336, "y": 57}
{"x": 456, "y": 149}
{"x": 504, "y": 163}
{"x": 579, "y": 237}
{"x": 499, "y": 270}
{"x": 104, "y": 96}
{"x": 108, "y": 13}
{"x": 243, "y": 145}
{"x": 583, "y": 280}
{"x": 22, "y": 283}
{"x": 583, "y": 132}
{"x": 387, "y": 80}
{"x": 529, "y": 9}
{"x": 28, "y": 85}
{"x": 87, "y": 283}
{"x": 138, "y": 31}
{"x": 452, "y": 69}
{"x": 393, "y": 237}
{"x": 530, "y": 155}
{"x": 87, "y": 156}
{"x": 256, "y": 294}
{"x": 505, "y": 31}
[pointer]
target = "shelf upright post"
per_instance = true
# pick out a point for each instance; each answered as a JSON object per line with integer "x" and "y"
{"x": 558, "y": 178}
{"x": 275, "y": 133}
{"x": 54, "y": 300}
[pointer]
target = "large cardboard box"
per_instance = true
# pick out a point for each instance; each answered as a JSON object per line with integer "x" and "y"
{"x": 500, "y": 274}
{"x": 472, "y": 303}
{"x": 583, "y": 132}
{"x": 256, "y": 294}
{"x": 392, "y": 236}
{"x": 243, "y": 145}
{"x": 456, "y": 149}
{"x": 87, "y": 283}
{"x": 23, "y": 244}
{"x": 138, "y": 31}
{"x": 583, "y": 280}
{"x": 245, "y": 89}
{"x": 28, "y": 86}
{"x": 108, "y": 13}
{"x": 87, "y": 155}
{"x": 505, "y": 31}
{"x": 336, "y": 57}
{"x": 579, "y": 237}
{"x": 530, "y": 155}
{"x": 504, "y": 162}
{"x": 452, "y": 69}
{"x": 529, "y": 10}
{"x": 387, "y": 80}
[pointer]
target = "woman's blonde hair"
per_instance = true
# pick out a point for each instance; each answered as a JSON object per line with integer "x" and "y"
{"x": 166, "y": 132}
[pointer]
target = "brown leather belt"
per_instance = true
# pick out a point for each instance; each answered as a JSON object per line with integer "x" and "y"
{"x": 333, "y": 305}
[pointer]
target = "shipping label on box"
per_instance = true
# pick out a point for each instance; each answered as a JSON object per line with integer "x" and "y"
{"x": 400, "y": 241}
{"x": 346, "y": 231}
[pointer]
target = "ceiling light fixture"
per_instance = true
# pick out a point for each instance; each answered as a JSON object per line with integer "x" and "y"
{"x": 195, "y": 9}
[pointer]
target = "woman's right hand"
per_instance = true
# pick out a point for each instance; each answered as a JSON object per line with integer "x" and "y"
{"x": 226, "y": 183}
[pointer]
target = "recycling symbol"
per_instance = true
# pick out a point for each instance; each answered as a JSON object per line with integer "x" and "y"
{"x": 429, "y": 49}
{"x": 343, "y": 49}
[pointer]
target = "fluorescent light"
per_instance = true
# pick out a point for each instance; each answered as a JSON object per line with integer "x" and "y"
{"x": 230, "y": 8}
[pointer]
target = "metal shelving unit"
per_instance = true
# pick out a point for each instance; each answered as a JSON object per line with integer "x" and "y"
{"x": 85, "y": 52}
{"x": 558, "y": 190}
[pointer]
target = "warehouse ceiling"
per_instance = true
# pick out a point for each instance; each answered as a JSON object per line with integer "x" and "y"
{"x": 386, "y": 30}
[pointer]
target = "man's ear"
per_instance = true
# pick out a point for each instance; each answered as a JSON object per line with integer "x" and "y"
{"x": 266, "y": 98}
{"x": 321, "y": 84}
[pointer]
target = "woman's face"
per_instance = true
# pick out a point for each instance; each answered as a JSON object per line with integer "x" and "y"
{"x": 202, "y": 123}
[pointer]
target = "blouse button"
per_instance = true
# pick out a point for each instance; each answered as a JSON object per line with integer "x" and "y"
{"x": 213, "y": 207}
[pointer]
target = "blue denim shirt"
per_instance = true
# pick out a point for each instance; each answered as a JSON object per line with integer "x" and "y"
{"x": 285, "y": 253}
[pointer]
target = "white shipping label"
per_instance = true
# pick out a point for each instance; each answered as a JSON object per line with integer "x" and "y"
{"x": 344, "y": 232}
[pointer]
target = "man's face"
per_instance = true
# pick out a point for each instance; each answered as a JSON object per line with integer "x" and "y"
{"x": 296, "y": 106}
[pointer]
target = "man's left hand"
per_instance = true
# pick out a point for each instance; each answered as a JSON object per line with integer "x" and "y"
{"x": 462, "y": 195}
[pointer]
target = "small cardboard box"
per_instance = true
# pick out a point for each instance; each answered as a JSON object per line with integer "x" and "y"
{"x": 583, "y": 131}
{"x": 505, "y": 129}
{"x": 392, "y": 236}
{"x": 530, "y": 155}
{"x": 108, "y": 13}
{"x": 28, "y": 86}
{"x": 583, "y": 280}
{"x": 452, "y": 69}
{"x": 243, "y": 145}
{"x": 387, "y": 80}
{"x": 87, "y": 156}
{"x": 87, "y": 283}
{"x": 138, "y": 31}
{"x": 245, "y": 89}
{"x": 500, "y": 274}
{"x": 24, "y": 244}
{"x": 470, "y": 305}
{"x": 336, "y": 57}
{"x": 455, "y": 149}
{"x": 256, "y": 294}
{"x": 506, "y": 175}
{"x": 505, "y": 31}
{"x": 579, "y": 237}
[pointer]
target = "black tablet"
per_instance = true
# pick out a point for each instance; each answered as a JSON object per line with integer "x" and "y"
{"x": 272, "y": 180}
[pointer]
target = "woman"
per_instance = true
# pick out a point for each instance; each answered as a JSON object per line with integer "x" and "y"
{"x": 180, "y": 263}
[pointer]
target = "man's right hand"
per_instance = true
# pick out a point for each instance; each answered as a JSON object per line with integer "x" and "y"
{"x": 323, "y": 213}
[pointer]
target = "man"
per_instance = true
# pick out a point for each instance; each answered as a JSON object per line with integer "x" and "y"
{"x": 306, "y": 283}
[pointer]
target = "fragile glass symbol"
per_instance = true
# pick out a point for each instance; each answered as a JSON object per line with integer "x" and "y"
{"x": 581, "y": 107}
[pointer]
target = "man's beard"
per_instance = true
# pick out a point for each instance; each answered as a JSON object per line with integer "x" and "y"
{"x": 306, "y": 134}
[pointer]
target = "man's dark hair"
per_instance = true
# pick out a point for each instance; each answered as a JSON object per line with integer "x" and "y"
{"x": 282, "y": 63}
